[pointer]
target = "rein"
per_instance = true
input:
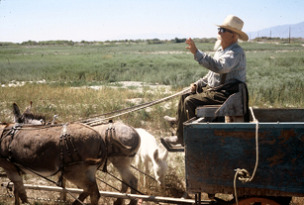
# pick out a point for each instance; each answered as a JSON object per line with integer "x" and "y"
{"x": 100, "y": 119}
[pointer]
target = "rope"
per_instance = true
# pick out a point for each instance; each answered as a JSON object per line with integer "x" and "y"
{"x": 121, "y": 182}
{"x": 125, "y": 183}
{"x": 114, "y": 187}
{"x": 99, "y": 120}
{"x": 143, "y": 173}
{"x": 113, "y": 112}
{"x": 107, "y": 184}
{"x": 243, "y": 174}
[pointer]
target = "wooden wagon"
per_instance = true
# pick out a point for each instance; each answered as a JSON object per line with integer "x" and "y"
{"x": 214, "y": 150}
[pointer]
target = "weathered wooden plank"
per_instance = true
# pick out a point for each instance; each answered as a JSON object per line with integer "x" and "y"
{"x": 279, "y": 115}
{"x": 214, "y": 150}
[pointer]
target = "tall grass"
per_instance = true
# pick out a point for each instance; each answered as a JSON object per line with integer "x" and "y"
{"x": 78, "y": 103}
{"x": 275, "y": 74}
{"x": 95, "y": 63}
{"x": 276, "y": 78}
{"x": 274, "y": 71}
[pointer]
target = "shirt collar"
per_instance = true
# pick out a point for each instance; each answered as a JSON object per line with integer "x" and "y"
{"x": 229, "y": 47}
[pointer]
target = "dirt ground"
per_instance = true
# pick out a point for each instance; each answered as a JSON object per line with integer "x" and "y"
{"x": 173, "y": 188}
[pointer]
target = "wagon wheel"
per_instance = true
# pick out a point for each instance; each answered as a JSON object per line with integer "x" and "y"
{"x": 257, "y": 201}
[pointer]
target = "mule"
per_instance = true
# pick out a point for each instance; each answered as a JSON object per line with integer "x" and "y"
{"x": 72, "y": 151}
{"x": 150, "y": 153}
{"x": 122, "y": 143}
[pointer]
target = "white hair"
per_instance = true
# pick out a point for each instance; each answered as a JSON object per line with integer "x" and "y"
{"x": 217, "y": 43}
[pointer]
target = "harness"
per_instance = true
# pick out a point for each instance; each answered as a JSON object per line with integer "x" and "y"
{"x": 114, "y": 146}
{"x": 73, "y": 156}
{"x": 10, "y": 133}
{"x": 65, "y": 142}
{"x": 109, "y": 133}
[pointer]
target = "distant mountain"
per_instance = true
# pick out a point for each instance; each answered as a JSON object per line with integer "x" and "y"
{"x": 282, "y": 31}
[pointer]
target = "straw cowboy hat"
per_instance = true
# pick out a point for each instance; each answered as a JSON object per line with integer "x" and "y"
{"x": 234, "y": 24}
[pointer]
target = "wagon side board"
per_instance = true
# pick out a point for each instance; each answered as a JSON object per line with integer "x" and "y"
{"x": 214, "y": 150}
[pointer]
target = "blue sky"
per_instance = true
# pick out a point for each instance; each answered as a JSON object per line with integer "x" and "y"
{"x": 100, "y": 20}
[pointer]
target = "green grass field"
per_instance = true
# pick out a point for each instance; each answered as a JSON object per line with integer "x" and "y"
{"x": 57, "y": 79}
{"x": 275, "y": 73}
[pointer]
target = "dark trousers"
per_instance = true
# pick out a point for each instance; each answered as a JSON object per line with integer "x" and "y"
{"x": 188, "y": 103}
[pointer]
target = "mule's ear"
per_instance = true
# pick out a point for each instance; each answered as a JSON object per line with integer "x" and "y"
{"x": 16, "y": 112}
{"x": 29, "y": 108}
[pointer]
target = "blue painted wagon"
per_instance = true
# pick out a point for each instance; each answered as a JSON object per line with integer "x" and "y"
{"x": 271, "y": 142}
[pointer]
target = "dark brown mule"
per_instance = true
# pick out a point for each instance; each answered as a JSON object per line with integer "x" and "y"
{"x": 72, "y": 151}
{"x": 122, "y": 142}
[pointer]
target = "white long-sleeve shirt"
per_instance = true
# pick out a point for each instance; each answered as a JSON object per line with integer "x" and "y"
{"x": 231, "y": 61}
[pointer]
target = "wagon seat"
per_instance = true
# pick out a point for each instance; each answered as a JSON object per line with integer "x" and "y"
{"x": 234, "y": 109}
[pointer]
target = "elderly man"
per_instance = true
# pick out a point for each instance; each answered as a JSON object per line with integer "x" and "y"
{"x": 226, "y": 69}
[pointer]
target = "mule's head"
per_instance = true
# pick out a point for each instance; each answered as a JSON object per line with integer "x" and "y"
{"x": 27, "y": 117}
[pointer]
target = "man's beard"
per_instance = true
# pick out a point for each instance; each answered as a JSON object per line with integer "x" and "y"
{"x": 217, "y": 44}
